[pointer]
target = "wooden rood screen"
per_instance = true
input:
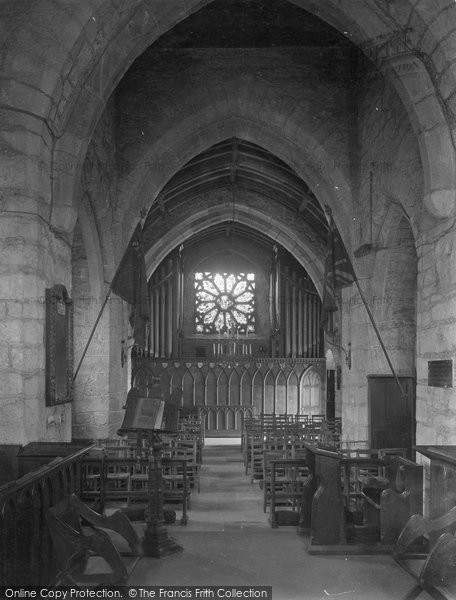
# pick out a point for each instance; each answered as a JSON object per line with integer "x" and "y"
{"x": 227, "y": 392}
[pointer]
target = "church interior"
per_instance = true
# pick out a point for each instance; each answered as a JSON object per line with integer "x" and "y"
{"x": 227, "y": 232}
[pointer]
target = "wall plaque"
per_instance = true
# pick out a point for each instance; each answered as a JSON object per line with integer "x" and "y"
{"x": 440, "y": 373}
{"x": 59, "y": 346}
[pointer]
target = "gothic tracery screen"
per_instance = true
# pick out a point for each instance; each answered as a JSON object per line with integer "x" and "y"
{"x": 225, "y": 302}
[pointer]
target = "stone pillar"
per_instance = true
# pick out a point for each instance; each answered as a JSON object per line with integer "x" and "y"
{"x": 35, "y": 256}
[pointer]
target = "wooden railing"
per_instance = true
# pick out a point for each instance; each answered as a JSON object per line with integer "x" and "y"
{"x": 26, "y": 551}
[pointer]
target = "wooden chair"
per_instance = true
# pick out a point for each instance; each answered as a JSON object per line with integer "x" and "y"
{"x": 78, "y": 535}
{"x": 292, "y": 473}
{"x": 268, "y": 457}
{"x": 175, "y": 484}
{"x": 188, "y": 450}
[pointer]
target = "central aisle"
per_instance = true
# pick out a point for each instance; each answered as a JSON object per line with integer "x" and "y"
{"x": 228, "y": 542}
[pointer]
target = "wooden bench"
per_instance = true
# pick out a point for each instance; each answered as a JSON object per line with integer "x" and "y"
{"x": 344, "y": 518}
{"x": 426, "y": 549}
{"x": 402, "y": 497}
{"x": 76, "y": 544}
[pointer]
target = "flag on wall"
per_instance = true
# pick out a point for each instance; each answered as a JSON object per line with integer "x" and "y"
{"x": 130, "y": 283}
{"x": 339, "y": 273}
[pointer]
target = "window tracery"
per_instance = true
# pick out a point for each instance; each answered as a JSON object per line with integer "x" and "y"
{"x": 224, "y": 303}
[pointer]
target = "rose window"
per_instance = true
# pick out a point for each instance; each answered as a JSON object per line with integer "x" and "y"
{"x": 225, "y": 302}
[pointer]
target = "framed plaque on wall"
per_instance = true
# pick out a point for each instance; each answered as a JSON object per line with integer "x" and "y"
{"x": 59, "y": 346}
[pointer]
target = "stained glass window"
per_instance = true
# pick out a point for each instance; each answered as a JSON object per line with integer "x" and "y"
{"x": 225, "y": 302}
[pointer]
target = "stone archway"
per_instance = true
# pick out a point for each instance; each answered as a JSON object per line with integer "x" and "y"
{"x": 72, "y": 94}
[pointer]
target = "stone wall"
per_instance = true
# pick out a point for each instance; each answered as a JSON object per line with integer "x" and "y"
{"x": 101, "y": 383}
{"x": 387, "y": 193}
{"x": 35, "y": 256}
{"x": 436, "y": 337}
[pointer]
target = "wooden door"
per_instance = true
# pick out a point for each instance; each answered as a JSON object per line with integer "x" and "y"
{"x": 391, "y": 415}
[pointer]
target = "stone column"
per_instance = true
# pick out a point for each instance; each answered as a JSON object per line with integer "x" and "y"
{"x": 35, "y": 255}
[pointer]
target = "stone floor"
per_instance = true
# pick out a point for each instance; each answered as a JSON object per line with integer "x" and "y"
{"x": 228, "y": 542}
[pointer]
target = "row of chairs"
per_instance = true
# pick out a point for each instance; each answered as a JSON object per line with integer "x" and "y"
{"x": 278, "y": 457}
{"x": 275, "y": 455}
{"x": 276, "y": 432}
{"x": 117, "y": 472}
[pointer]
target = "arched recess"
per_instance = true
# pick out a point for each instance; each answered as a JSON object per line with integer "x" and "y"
{"x": 258, "y": 391}
{"x": 234, "y": 388}
{"x": 188, "y": 389}
{"x": 280, "y": 393}
{"x": 310, "y": 396}
{"x": 231, "y": 420}
{"x": 292, "y": 393}
{"x": 246, "y": 388}
{"x": 165, "y": 384}
{"x": 222, "y": 389}
{"x": 199, "y": 388}
{"x": 269, "y": 393}
{"x": 211, "y": 389}
{"x": 176, "y": 388}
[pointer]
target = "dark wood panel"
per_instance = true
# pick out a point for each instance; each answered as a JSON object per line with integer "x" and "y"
{"x": 391, "y": 415}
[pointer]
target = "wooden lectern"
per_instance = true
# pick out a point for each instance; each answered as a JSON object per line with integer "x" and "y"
{"x": 148, "y": 418}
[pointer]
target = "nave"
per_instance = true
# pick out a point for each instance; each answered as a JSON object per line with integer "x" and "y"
{"x": 229, "y": 542}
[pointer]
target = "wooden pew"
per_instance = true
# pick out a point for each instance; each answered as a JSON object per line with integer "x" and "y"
{"x": 402, "y": 498}
{"x": 426, "y": 549}
{"x": 341, "y": 517}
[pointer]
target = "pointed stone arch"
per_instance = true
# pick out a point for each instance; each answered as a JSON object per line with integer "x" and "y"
{"x": 311, "y": 392}
{"x": 292, "y": 393}
{"x": 234, "y": 389}
{"x": 246, "y": 395}
{"x": 211, "y": 389}
{"x": 280, "y": 393}
{"x": 269, "y": 401}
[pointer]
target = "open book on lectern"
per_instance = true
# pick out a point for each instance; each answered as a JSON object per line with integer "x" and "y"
{"x": 142, "y": 413}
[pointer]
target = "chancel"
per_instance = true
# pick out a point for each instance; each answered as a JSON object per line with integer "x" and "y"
{"x": 239, "y": 217}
